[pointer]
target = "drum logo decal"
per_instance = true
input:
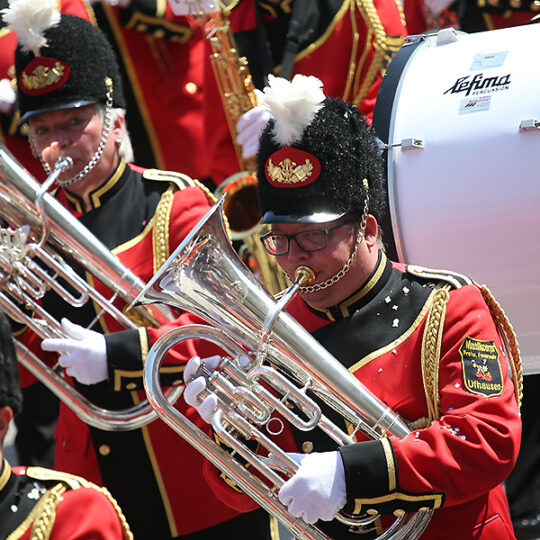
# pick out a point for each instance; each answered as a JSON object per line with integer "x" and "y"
{"x": 479, "y": 84}
{"x": 481, "y": 369}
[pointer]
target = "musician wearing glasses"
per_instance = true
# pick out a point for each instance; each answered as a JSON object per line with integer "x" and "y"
{"x": 70, "y": 95}
{"x": 41, "y": 503}
{"x": 424, "y": 341}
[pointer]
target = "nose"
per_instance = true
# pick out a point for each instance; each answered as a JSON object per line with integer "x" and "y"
{"x": 59, "y": 139}
{"x": 296, "y": 253}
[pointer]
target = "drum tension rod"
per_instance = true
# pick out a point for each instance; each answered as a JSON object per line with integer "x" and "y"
{"x": 406, "y": 144}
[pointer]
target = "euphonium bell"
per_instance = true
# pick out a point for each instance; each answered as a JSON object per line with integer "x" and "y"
{"x": 205, "y": 276}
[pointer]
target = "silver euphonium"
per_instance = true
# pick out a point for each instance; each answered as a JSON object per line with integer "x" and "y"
{"x": 205, "y": 276}
{"x": 39, "y": 235}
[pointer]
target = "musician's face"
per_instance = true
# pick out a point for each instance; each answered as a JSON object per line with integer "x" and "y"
{"x": 330, "y": 260}
{"x": 76, "y": 133}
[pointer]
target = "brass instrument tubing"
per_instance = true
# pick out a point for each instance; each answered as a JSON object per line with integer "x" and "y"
{"x": 63, "y": 164}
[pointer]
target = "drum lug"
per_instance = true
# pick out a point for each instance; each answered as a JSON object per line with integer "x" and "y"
{"x": 411, "y": 143}
{"x": 531, "y": 124}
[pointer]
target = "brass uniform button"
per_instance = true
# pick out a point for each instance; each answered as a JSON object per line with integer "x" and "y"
{"x": 423, "y": 509}
{"x": 131, "y": 386}
{"x": 190, "y": 88}
{"x": 399, "y": 512}
{"x": 307, "y": 447}
{"x": 141, "y": 27}
{"x": 104, "y": 450}
{"x": 516, "y": 4}
{"x": 159, "y": 33}
{"x": 371, "y": 512}
{"x": 178, "y": 382}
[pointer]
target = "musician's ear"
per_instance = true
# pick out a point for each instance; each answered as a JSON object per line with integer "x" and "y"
{"x": 370, "y": 234}
{"x": 6, "y": 415}
{"x": 118, "y": 128}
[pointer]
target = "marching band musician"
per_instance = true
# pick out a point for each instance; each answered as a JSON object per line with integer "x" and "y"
{"x": 70, "y": 94}
{"x": 36, "y": 422}
{"x": 345, "y": 43}
{"x": 41, "y": 503}
{"x": 161, "y": 58}
{"x": 425, "y": 341}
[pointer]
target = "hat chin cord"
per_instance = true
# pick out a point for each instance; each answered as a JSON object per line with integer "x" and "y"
{"x": 336, "y": 277}
{"x": 95, "y": 158}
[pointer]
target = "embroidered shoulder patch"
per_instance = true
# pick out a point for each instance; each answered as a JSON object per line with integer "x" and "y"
{"x": 481, "y": 368}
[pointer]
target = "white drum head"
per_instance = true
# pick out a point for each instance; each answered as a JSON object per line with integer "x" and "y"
{"x": 469, "y": 199}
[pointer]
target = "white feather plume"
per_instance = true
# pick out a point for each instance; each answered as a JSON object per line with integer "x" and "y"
{"x": 29, "y": 19}
{"x": 293, "y": 105}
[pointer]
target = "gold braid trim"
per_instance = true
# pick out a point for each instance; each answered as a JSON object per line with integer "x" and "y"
{"x": 431, "y": 350}
{"x": 370, "y": 15}
{"x": 509, "y": 339}
{"x": 160, "y": 233}
{"x": 46, "y": 509}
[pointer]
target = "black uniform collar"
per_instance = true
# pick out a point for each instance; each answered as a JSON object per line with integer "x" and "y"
{"x": 5, "y": 477}
{"x": 362, "y": 296}
{"x": 104, "y": 192}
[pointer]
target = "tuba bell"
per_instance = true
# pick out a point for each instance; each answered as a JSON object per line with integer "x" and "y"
{"x": 285, "y": 365}
{"x": 39, "y": 235}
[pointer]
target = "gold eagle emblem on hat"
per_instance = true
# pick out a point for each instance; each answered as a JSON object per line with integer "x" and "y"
{"x": 289, "y": 172}
{"x": 42, "y": 76}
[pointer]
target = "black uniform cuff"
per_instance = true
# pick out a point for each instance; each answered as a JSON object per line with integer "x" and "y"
{"x": 126, "y": 355}
{"x": 371, "y": 475}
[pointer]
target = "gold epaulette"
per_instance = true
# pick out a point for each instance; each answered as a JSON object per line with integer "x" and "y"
{"x": 180, "y": 180}
{"x": 43, "y": 515}
{"x": 453, "y": 278}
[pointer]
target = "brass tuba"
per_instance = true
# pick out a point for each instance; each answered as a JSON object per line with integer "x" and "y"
{"x": 241, "y": 206}
{"x": 40, "y": 234}
{"x": 285, "y": 364}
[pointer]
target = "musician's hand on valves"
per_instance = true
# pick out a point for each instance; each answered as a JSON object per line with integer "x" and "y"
{"x": 318, "y": 488}
{"x": 83, "y": 354}
{"x": 249, "y": 128}
{"x": 206, "y": 407}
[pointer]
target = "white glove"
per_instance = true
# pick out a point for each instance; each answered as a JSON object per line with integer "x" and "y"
{"x": 7, "y": 96}
{"x": 206, "y": 407}
{"x": 83, "y": 354}
{"x": 249, "y": 128}
{"x": 318, "y": 489}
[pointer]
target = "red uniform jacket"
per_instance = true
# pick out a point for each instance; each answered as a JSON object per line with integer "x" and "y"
{"x": 141, "y": 216}
{"x": 349, "y": 51}
{"x": 162, "y": 62}
{"x": 41, "y": 503}
{"x": 457, "y": 463}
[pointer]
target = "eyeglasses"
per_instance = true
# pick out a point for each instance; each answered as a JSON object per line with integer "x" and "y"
{"x": 315, "y": 240}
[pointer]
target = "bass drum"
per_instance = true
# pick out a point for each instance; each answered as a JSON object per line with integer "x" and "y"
{"x": 460, "y": 114}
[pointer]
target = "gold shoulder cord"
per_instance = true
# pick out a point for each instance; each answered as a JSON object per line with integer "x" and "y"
{"x": 431, "y": 350}
{"x": 46, "y": 513}
{"x": 509, "y": 339}
{"x": 160, "y": 234}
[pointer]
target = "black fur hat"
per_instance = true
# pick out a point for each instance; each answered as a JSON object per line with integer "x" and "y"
{"x": 61, "y": 61}
{"x": 10, "y": 390}
{"x": 313, "y": 172}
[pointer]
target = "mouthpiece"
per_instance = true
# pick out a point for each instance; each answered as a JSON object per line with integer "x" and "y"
{"x": 304, "y": 276}
{"x": 63, "y": 164}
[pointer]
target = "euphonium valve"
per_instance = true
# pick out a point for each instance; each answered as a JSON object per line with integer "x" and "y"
{"x": 271, "y": 369}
